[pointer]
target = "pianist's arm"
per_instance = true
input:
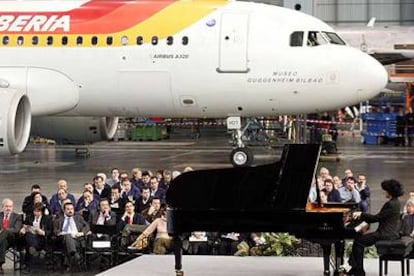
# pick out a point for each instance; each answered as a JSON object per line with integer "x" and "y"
{"x": 387, "y": 211}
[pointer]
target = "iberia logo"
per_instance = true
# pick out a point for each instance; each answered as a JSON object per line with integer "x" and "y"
{"x": 93, "y": 17}
{"x": 34, "y": 23}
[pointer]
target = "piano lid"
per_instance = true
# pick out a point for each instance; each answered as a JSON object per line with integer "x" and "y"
{"x": 283, "y": 185}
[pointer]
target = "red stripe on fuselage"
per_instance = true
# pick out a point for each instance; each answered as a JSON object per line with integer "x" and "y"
{"x": 102, "y": 16}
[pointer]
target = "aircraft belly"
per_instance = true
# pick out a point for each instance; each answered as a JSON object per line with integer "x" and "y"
{"x": 146, "y": 92}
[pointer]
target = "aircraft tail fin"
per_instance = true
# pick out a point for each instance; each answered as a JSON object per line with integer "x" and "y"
{"x": 371, "y": 22}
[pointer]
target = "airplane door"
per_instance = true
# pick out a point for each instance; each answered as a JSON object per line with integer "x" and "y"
{"x": 233, "y": 43}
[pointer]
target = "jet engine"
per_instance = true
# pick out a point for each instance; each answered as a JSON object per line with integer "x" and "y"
{"x": 75, "y": 130}
{"x": 15, "y": 120}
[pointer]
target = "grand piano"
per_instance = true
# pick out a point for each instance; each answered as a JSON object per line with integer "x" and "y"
{"x": 265, "y": 198}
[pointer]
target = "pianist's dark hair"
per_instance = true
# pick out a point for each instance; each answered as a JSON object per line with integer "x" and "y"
{"x": 393, "y": 187}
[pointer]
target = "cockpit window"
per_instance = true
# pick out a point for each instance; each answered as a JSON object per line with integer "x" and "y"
{"x": 334, "y": 38}
{"x": 296, "y": 39}
{"x": 316, "y": 39}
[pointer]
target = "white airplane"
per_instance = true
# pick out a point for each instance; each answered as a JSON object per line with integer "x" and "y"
{"x": 388, "y": 44}
{"x": 98, "y": 59}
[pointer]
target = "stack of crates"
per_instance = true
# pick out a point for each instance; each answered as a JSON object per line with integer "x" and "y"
{"x": 152, "y": 132}
{"x": 379, "y": 127}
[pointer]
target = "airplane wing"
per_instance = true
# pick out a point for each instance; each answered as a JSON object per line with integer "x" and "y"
{"x": 390, "y": 58}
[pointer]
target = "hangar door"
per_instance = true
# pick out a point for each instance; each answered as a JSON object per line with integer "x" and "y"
{"x": 233, "y": 43}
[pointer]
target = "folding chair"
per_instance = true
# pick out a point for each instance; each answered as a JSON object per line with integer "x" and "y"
{"x": 102, "y": 243}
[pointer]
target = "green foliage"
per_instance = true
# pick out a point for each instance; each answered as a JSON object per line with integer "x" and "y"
{"x": 370, "y": 252}
{"x": 278, "y": 244}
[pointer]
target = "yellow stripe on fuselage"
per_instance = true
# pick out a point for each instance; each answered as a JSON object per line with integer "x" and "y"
{"x": 167, "y": 22}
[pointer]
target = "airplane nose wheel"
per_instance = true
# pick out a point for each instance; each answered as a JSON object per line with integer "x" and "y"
{"x": 241, "y": 157}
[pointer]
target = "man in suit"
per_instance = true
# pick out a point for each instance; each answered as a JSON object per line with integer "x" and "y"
{"x": 144, "y": 201}
{"x": 10, "y": 227}
{"x": 156, "y": 191}
{"x": 56, "y": 199}
{"x": 129, "y": 192}
{"x": 116, "y": 202}
{"x": 71, "y": 229}
{"x": 37, "y": 226}
{"x": 131, "y": 224}
{"x": 100, "y": 189}
{"x": 388, "y": 228}
{"x": 153, "y": 212}
{"x": 104, "y": 216}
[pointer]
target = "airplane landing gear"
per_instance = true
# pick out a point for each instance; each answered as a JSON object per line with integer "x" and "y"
{"x": 240, "y": 156}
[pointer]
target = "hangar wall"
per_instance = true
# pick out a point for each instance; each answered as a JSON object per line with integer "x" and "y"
{"x": 340, "y": 12}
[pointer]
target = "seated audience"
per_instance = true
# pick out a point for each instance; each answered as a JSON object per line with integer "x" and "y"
{"x": 116, "y": 202}
{"x": 86, "y": 204}
{"x": 364, "y": 192}
{"x": 156, "y": 191}
{"x": 37, "y": 198}
{"x": 348, "y": 192}
{"x": 332, "y": 193}
{"x": 27, "y": 206}
{"x": 144, "y": 201}
{"x": 407, "y": 228}
{"x": 166, "y": 180}
{"x": 55, "y": 200}
{"x": 114, "y": 177}
{"x": 152, "y": 212}
{"x": 131, "y": 224}
{"x": 128, "y": 192}
{"x": 11, "y": 223}
{"x": 103, "y": 216}
{"x": 36, "y": 228}
{"x": 136, "y": 179}
{"x": 100, "y": 189}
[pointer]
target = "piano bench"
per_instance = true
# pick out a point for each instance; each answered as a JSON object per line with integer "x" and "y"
{"x": 395, "y": 250}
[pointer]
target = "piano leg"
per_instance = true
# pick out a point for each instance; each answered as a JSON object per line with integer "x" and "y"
{"x": 339, "y": 255}
{"x": 326, "y": 249}
{"x": 178, "y": 252}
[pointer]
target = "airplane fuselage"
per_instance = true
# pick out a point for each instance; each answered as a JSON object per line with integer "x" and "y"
{"x": 200, "y": 58}
{"x": 237, "y": 61}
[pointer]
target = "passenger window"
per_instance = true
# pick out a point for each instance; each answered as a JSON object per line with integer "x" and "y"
{"x": 140, "y": 40}
{"x": 94, "y": 40}
{"x": 154, "y": 40}
{"x": 64, "y": 40}
{"x": 20, "y": 40}
{"x": 35, "y": 40}
{"x": 170, "y": 40}
{"x": 124, "y": 40}
{"x": 185, "y": 40}
{"x": 5, "y": 40}
{"x": 109, "y": 40}
{"x": 296, "y": 39}
{"x": 316, "y": 39}
{"x": 49, "y": 40}
{"x": 79, "y": 40}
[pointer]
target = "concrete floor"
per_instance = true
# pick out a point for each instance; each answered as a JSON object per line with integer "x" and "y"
{"x": 149, "y": 265}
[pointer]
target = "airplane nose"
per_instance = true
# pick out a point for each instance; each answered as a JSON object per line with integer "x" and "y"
{"x": 372, "y": 75}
